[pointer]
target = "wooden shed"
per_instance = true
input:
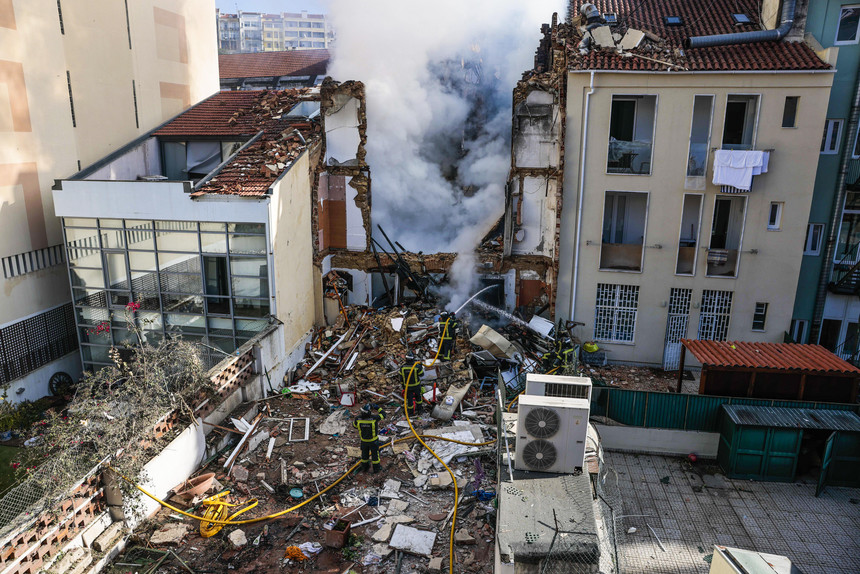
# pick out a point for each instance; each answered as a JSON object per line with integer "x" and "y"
{"x": 773, "y": 371}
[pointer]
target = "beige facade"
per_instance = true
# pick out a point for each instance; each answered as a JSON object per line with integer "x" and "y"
{"x": 638, "y": 233}
{"x": 77, "y": 81}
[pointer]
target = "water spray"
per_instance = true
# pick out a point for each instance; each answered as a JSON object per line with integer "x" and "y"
{"x": 473, "y": 296}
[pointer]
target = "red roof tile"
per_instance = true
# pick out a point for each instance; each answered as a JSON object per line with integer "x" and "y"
{"x": 267, "y": 64}
{"x": 782, "y": 356}
{"x": 700, "y": 18}
{"x": 239, "y": 115}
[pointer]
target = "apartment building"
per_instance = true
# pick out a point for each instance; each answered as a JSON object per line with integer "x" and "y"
{"x": 656, "y": 244}
{"x": 258, "y": 32}
{"x": 224, "y": 183}
{"x": 78, "y": 81}
{"x": 826, "y": 309}
{"x": 273, "y": 70}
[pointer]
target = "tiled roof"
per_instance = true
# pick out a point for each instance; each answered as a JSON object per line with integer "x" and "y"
{"x": 267, "y": 64}
{"x": 781, "y": 356}
{"x": 700, "y": 18}
{"x": 241, "y": 115}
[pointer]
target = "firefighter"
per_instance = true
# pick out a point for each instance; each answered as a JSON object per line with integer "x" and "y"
{"x": 411, "y": 379}
{"x": 448, "y": 335}
{"x": 367, "y": 422}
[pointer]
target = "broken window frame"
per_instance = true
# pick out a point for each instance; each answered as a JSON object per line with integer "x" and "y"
{"x": 696, "y": 236}
{"x": 622, "y": 169}
{"x": 615, "y": 228}
{"x": 750, "y": 123}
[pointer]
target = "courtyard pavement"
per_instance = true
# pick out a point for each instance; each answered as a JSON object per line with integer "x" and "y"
{"x": 692, "y": 507}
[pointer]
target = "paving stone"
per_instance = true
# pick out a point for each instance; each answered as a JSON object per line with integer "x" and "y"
{"x": 169, "y": 534}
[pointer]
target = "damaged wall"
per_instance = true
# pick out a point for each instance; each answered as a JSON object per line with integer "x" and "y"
{"x": 342, "y": 195}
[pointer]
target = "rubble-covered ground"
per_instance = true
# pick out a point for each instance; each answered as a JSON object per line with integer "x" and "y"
{"x": 635, "y": 378}
{"x": 408, "y": 504}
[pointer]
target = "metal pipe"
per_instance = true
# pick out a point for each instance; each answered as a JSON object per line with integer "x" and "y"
{"x": 786, "y": 23}
{"x": 590, "y": 91}
{"x": 836, "y": 214}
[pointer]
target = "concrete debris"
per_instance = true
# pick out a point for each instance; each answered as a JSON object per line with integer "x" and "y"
{"x": 462, "y": 536}
{"x": 435, "y": 564}
{"x": 396, "y": 507}
{"x": 603, "y": 37}
{"x": 170, "y": 534}
{"x": 240, "y": 473}
{"x": 390, "y": 489}
{"x": 632, "y": 39}
{"x": 413, "y": 540}
{"x": 336, "y": 423}
{"x": 237, "y": 538}
{"x": 384, "y": 532}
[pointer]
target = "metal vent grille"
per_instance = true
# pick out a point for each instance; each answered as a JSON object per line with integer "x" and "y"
{"x": 566, "y": 390}
{"x": 542, "y": 423}
{"x": 540, "y": 454}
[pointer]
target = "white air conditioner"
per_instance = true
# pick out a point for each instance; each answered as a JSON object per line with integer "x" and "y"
{"x": 551, "y": 434}
{"x": 557, "y": 386}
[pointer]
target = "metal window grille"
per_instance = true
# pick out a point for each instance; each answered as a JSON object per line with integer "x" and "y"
{"x": 567, "y": 391}
{"x": 133, "y": 87}
{"x": 715, "y": 314}
{"x": 676, "y": 326}
{"x": 60, "y": 13}
{"x": 23, "y": 263}
{"x": 72, "y": 103}
{"x": 615, "y": 312}
{"x": 29, "y": 344}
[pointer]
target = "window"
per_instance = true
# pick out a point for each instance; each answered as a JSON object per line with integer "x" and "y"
{"x": 631, "y": 132}
{"x": 832, "y": 136}
{"x": 739, "y": 126}
{"x": 759, "y": 317}
{"x": 691, "y": 213}
{"x": 615, "y": 312}
{"x": 610, "y": 18}
{"x": 856, "y": 153}
{"x": 774, "y": 216}
{"x": 814, "y": 233}
{"x": 741, "y": 19}
{"x": 700, "y": 135}
{"x": 726, "y": 236}
{"x": 715, "y": 314}
{"x": 829, "y": 335}
{"x": 789, "y": 112}
{"x": 624, "y": 217}
{"x": 849, "y": 231}
{"x": 849, "y": 25}
{"x": 797, "y": 330}
{"x": 673, "y": 21}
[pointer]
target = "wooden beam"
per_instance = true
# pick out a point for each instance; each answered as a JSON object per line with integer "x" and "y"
{"x": 702, "y": 380}
{"x": 751, "y": 385}
{"x": 854, "y": 388}
{"x": 802, "y": 388}
{"x": 681, "y": 367}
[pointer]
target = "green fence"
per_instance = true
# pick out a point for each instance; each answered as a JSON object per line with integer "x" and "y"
{"x": 682, "y": 412}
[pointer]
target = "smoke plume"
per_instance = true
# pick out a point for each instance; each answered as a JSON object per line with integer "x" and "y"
{"x": 438, "y": 77}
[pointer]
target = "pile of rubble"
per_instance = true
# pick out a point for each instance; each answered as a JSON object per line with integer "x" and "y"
{"x": 288, "y": 447}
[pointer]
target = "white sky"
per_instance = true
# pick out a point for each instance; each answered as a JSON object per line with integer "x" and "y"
{"x": 272, "y": 6}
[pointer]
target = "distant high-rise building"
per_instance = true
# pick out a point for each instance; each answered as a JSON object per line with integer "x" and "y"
{"x": 257, "y": 32}
{"x": 77, "y": 82}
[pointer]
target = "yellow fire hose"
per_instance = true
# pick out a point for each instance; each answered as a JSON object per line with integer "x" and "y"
{"x": 217, "y": 508}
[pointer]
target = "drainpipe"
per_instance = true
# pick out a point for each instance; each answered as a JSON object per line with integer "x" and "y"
{"x": 836, "y": 214}
{"x": 581, "y": 194}
{"x": 785, "y": 25}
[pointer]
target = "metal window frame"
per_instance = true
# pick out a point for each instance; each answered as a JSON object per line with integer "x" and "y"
{"x": 760, "y": 316}
{"x": 715, "y": 315}
{"x": 614, "y": 311}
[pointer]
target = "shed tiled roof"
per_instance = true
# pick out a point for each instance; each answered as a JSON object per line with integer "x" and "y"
{"x": 779, "y": 356}
{"x": 240, "y": 115}
{"x": 268, "y": 64}
{"x": 700, "y": 18}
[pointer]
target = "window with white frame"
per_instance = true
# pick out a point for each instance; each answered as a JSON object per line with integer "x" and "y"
{"x": 814, "y": 233}
{"x": 759, "y": 317}
{"x": 797, "y": 330}
{"x": 615, "y": 312}
{"x": 789, "y": 112}
{"x": 832, "y": 136}
{"x": 716, "y": 310}
{"x": 774, "y": 216}
{"x": 848, "y": 31}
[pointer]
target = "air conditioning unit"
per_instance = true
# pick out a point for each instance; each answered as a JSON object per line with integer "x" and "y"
{"x": 557, "y": 386}
{"x": 551, "y": 434}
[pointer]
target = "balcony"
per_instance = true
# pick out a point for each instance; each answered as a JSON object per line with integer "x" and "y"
{"x": 845, "y": 279}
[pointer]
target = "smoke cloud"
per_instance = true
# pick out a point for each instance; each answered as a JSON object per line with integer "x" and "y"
{"x": 439, "y": 78}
